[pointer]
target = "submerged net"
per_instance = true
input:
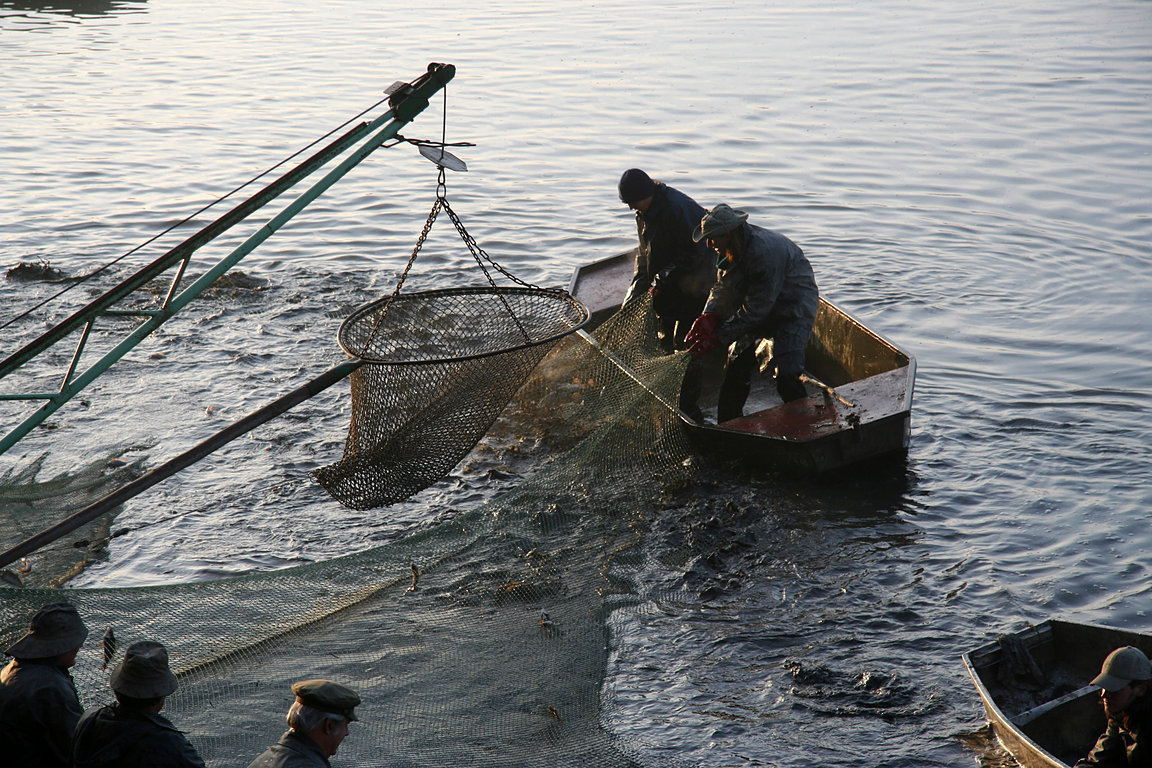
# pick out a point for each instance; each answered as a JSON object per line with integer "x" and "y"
{"x": 439, "y": 367}
{"x": 483, "y": 640}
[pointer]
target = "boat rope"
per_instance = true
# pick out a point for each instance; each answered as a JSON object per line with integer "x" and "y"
{"x": 74, "y": 282}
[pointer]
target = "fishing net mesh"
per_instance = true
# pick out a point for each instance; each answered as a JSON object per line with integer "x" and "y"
{"x": 482, "y": 640}
{"x": 439, "y": 367}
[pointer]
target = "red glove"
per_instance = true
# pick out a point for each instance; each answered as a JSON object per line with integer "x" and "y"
{"x": 702, "y": 335}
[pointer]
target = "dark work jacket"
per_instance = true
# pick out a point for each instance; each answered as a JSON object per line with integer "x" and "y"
{"x": 768, "y": 291}
{"x": 118, "y": 737}
{"x": 38, "y": 712}
{"x": 1127, "y": 745}
{"x": 294, "y": 750}
{"x": 666, "y": 248}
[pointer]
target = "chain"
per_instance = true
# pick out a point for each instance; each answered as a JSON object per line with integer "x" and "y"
{"x": 478, "y": 253}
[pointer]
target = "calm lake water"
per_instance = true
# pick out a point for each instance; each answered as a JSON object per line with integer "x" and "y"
{"x": 972, "y": 180}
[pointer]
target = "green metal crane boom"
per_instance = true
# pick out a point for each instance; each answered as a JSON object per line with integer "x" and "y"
{"x": 406, "y": 102}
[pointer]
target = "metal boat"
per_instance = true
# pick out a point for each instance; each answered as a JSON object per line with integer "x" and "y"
{"x": 1036, "y": 691}
{"x": 859, "y": 384}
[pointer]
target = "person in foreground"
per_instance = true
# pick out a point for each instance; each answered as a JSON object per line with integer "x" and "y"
{"x": 132, "y": 733}
{"x": 675, "y": 269}
{"x": 318, "y": 721}
{"x": 765, "y": 289}
{"x": 1124, "y": 682}
{"x": 39, "y": 707}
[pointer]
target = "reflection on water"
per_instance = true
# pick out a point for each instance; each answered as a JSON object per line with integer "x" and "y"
{"x": 38, "y": 17}
{"x": 978, "y": 193}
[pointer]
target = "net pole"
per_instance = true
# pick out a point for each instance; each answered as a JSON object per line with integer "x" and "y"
{"x": 184, "y": 460}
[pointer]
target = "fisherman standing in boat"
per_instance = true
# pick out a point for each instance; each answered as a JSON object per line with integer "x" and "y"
{"x": 318, "y": 720}
{"x": 677, "y": 270}
{"x": 39, "y": 707}
{"x": 765, "y": 289}
{"x": 1124, "y": 682}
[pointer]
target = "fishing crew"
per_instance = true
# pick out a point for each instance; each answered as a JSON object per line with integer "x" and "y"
{"x": 39, "y": 707}
{"x": 764, "y": 289}
{"x": 676, "y": 270}
{"x": 317, "y": 722}
{"x": 1125, "y": 679}
{"x": 132, "y": 733}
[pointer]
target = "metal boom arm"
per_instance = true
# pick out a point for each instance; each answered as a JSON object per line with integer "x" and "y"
{"x": 406, "y": 103}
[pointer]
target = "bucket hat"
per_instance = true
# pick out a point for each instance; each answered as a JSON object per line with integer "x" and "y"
{"x": 718, "y": 221}
{"x": 327, "y": 696}
{"x": 1123, "y": 666}
{"x": 635, "y": 185}
{"x": 144, "y": 672}
{"x": 56, "y": 628}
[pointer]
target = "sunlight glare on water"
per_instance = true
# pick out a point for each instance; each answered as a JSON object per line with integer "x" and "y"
{"x": 971, "y": 180}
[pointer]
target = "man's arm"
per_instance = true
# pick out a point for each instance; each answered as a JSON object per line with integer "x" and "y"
{"x": 1111, "y": 751}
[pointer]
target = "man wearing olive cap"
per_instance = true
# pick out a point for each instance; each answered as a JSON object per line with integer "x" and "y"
{"x": 39, "y": 707}
{"x": 132, "y": 733}
{"x": 1124, "y": 682}
{"x": 764, "y": 289}
{"x": 318, "y": 722}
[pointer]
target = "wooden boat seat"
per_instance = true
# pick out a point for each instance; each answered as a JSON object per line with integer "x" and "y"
{"x": 1024, "y": 718}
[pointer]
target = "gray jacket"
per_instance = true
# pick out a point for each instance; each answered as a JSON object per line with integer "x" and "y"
{"x": 39, "y": 709}
{"x": 292, "y": 751}
{"x": 769, "y": 291}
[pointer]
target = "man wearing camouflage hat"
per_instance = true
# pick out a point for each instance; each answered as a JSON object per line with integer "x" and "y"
{"x": 1124, "y": 680}
{"x": 39, "y": 707}
{"x": 132, "y": 733}
{"x": 765, "y": 289}
{"x": 318, "y": 720}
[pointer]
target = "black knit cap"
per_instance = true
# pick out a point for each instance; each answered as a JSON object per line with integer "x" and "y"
{"x": 635, "y": 185}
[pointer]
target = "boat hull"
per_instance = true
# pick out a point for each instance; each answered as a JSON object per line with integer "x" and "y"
{"x": 860, "y": 390}
{"x": 1053, "y": 724}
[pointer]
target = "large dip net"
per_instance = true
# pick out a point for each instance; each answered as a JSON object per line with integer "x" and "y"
{"x": 482, "y": 640}
{"x": 438, "y": 367}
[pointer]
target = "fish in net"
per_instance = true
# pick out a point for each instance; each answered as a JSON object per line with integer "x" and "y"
{"x": 438, "y": 368}
{"x": 498, "y": 655}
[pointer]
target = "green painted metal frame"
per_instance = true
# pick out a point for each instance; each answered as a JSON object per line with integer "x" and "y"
{"x": 406, "y": 103}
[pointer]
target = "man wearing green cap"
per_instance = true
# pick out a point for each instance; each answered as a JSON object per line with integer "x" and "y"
{"x": 1124, "y": 682}
{"x": 132, "y": 733}
{"x": 39, "y": 707}
{"x": 676, "y": 270}
{"x": 318, "y": 721}
{"x": 764, "y": 289}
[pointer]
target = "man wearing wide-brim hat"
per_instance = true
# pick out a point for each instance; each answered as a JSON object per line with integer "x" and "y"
{"x": 318, "y": 722}
{"x": 764, "y": 289}
{"x": 1125, "y": 679}
{"x": 39, "y": 707}
{"x": 132, "y": 733}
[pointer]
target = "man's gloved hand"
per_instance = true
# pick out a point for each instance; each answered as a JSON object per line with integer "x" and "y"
{"x": 654, "y": 289}
{"x": 702, "y": 335}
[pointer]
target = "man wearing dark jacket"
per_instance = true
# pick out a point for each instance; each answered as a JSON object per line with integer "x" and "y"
{"x": 1124, "y": 682}
{"x": 38, "y": 702}
{"x": 764, "y": 289}
{"x": 132, "y": 733}
{"x": 318, "y": 722}
{"x": 670, "y": 265}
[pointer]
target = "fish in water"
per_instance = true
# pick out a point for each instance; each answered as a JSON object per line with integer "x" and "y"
{"x": 109, "y": 646}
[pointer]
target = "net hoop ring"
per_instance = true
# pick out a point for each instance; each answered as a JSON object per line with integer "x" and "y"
{"x": 371, "y": 333}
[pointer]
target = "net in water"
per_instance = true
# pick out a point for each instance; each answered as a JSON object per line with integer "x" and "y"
{"x": 482, "y": 640}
